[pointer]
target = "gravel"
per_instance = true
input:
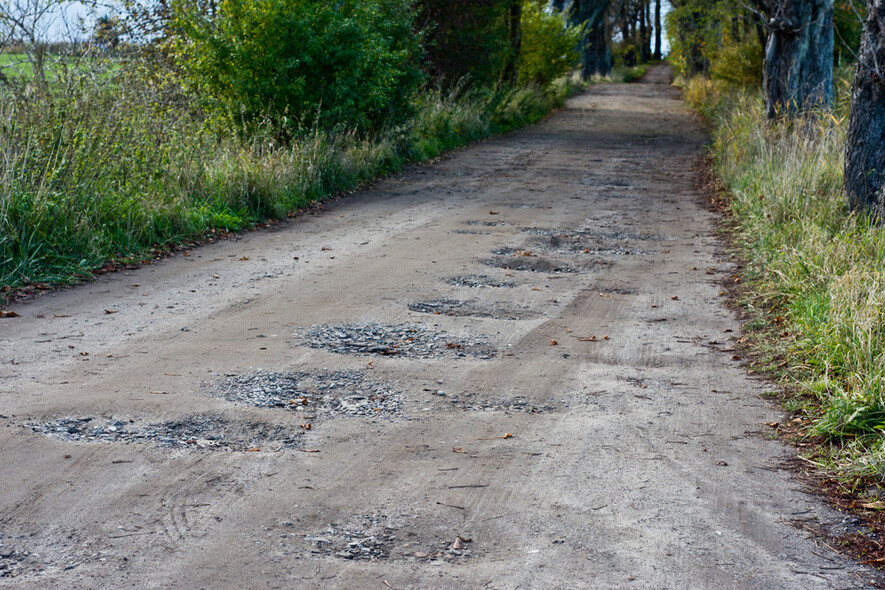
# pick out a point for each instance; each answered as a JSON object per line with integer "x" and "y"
{"x": 14, "y": 562}
{"x": 477, "y": 281}
{"x": 403, "y": 340}
{"x": 452, "y": 307}
{"x": 512, "y": 259}
{"x": 370, "y": 541}
{"x": 200, "y": 431}
{"x": 323, "y": 393}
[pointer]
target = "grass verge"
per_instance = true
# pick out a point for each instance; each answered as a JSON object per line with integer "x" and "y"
{"x": 106, "y": 174}
{"x": 813, "y": 287}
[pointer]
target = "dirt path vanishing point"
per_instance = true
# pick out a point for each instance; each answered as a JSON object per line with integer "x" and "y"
{"x": 513, "y": 365}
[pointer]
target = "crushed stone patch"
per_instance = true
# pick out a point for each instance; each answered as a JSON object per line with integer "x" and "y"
{"x": 470, "y": 308}
{"x": 314, "y": 394}
{"x": 523, "y": 260}
{"x": 200, "y": 431}
{"x": 478, "y": 281}
{"x": 401, "y": 340}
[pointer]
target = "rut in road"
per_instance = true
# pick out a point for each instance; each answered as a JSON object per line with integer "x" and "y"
{"x": 510, "y": 368}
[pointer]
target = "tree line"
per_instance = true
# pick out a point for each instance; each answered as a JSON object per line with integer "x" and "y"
{"x": 790, "y": 48}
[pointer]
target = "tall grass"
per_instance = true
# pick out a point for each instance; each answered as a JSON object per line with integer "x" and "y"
{"x": 816, "y": 271}
{"x": 100, "y": 167}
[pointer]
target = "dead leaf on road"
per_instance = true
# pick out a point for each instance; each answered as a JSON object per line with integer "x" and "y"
{"x": 309, "y": 450}
{"x": 877, "y": 505}
{"x": 9, "y": 314}
{"x": 454, "y": 345}
{"x": 590, "y": 339}
{"x": 244, "y": 258}
{"x": 772, "y": 424}
{"x": 110, "y": 311}
{"x": 493, "y": 212}
{"x": 252, "y": 450}
{"x": 459, "y": 450}
{"x": 553, "y": 342}
{"x": 721, "y": 463}
{"x": 508, "y": 435}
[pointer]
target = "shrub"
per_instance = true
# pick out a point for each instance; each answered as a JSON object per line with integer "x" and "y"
{"x": 352, "y": 63}
{"x": 549, "y": 45}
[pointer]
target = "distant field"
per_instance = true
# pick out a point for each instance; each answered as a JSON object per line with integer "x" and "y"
{"x": 17, "y": 64}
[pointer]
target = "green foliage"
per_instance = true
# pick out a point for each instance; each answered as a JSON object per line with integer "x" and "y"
{"x": 816, "y": 271}
{"x": 100, "y": 169}
{"x": 738, "y": 62}
{"x": 466, "y": 39}
{"x": 353, "y": 62}
{"x": 715, "y": 38}
{"x": 549, "y": 44}
{"x": 848, "y": 18}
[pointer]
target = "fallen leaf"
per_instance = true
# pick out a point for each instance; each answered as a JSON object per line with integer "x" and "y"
{"x": 252, "y": 450}
{"x": 309, "y": 450}
{"x": 694, "y": 268}
{"x": 493, "y": 212}
{"x": 877, "y": 505}
{"x": 110, "y": 311}
{"x": 721, "y": 463}
{"x": 67, "y": 455}
{"x": 459, "y": 450}
{"x": 605, "y": 337}
{"x": 306, "y": 426}
{"x": 454, "y": 345}
{"x": 9, "y": 314}
{"x": 590, "y": 339}
{"x": 324, "y": 248}
{"x": 675, "y": 297}
{"x": 84, "y": 354}
{"x": 506, "y": 436}
{"x": 244, "y": 258}
{"x": 736, "y": 357}
{"x": 586, "y": 250}
{"x": 160, "y": 392}
{"x": 772, "y": 424}
{"x": 553, "y": 342}
{"x": 536, "y": 288}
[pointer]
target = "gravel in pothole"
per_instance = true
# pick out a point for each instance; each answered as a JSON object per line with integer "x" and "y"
{"x": 370, "y": 540}
{"x": 403, "y": 340}
{"x": 373, "y": 539}
{"x": 486, "y": 223}
{"x": 592, "y": 234}
{"x": 452, "y": 307}
{"x": 15, "y": 562}
{"x": 201, "y": 431}
{"x": 477, "y": 281}
{"x": 315, "y": 394}
{"x": 525, "y": 260}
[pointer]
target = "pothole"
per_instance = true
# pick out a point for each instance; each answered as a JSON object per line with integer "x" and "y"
{"x": 452, "y": 307}
{"x": 526, "y": 206}
{"x": 403, "y": 340}
{"x": 478, "y": 281}
{"x": 486, "y": 223}
{"x": 376, "y": 538}
{"x": 368, "y": 540}
{"x": 199, "y": 431}
{"x": 314, "y": 395}
{"x": 524, "y": 260}
{"x": 15, "y": 562}
{"x": 592, "y": 234}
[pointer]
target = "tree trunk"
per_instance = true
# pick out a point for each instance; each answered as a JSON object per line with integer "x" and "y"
{"x": 511, "y": 71}
{"x": 865, "y": 148}
{"x": 596, "y": 59}
{"x": 798, "y": 69}
{"x": 643, "y": 32}
{"x": 657, "y": 53}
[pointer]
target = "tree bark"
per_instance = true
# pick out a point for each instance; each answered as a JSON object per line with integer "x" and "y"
{"x": 798, "y": 69}
{"x": 643, "y": 32}
{"x": 865, "y": 147}
{"x": 657, "y": 53}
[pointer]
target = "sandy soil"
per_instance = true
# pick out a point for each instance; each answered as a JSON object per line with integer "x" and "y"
{"x": 596, "y": 430}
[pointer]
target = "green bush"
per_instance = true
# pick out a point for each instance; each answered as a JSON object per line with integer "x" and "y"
{"x": 549, "y": 45}
{"x": 297, "y": 62}
{"x": 738, "y": 63}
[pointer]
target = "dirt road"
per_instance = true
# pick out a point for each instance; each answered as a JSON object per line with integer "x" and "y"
{"x": 507, "y": 369}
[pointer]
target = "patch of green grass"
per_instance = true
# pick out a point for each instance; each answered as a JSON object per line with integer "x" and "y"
{"x": 93, "y": 171}
{"x": 815, "y": 273}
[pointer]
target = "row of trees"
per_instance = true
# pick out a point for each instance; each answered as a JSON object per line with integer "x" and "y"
{"x": 791, "y": 46}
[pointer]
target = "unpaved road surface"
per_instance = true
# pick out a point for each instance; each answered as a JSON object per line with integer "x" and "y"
{"x": 512, "y": 367}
